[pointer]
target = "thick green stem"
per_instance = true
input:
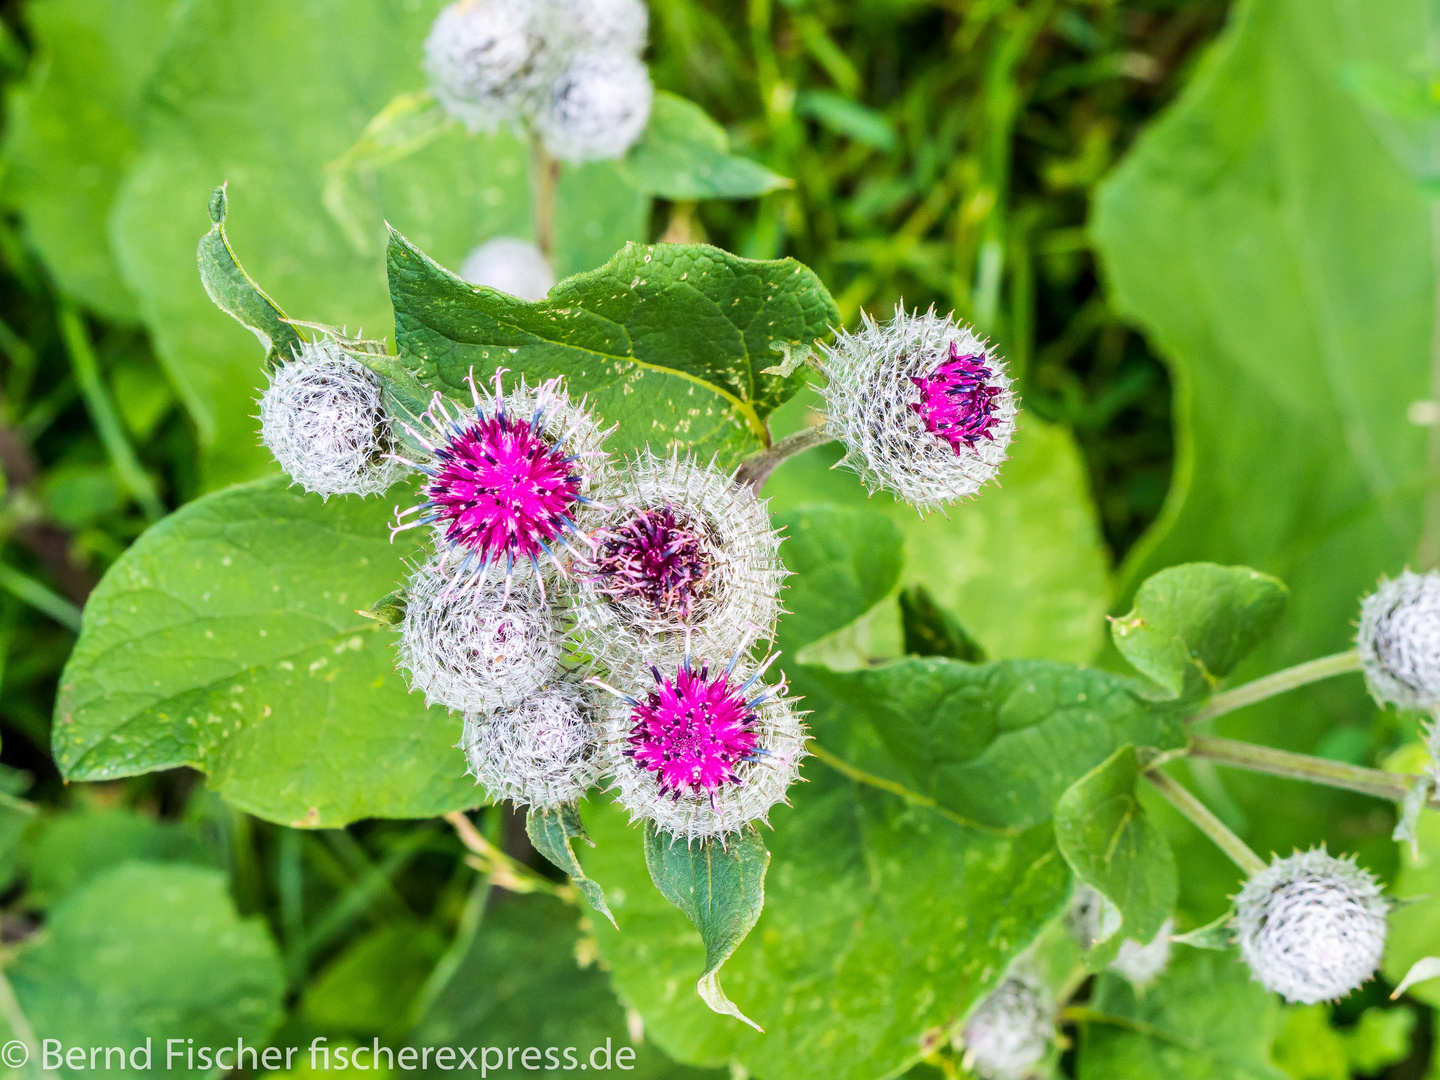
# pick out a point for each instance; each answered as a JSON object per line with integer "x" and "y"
{"x": 544, "y": 176}
{"x": 1278, "y": 683}
{"x": 1392, "y": 787}
{"x": 1201, "y": 817}
{"x": 757, "y": 469}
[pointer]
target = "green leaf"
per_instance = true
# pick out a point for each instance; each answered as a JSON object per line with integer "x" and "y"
{"x": 551, "y": 831}
{"x": 1415, "y": 924}
{"x": 227, "y": 639}
{"x": 144, "y": 952}
{"x": 72, "y": 132}
{"x": 884, "y": 921}
{"x": 17, "y": 818}
{"x": 267, "y": 94}
{"x": 1204, "y": 1019}
{"x": 844, "y": 562}
{"x": 721, "y": 889}
{"x": 1192, "y": 624}
{"x": 1298, "y": 336}
{"x": 234, "y": 293}
{"x": 72, "y": 849}
{"x": 1111, "y": 844}
{"x": 848, "y": 118}
{"x": 1022, "y": 565}
{"x": 994, "y": 744}
{"x": 511, "y": 979}
{"x": 684, "y": 154}
{"x": 667, "y": 341}
{"x": 930, "y": 630}
{"x": 370, "y": 987}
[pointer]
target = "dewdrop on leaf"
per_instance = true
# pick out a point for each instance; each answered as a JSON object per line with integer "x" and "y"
{"x": 1008, "y": 1034}
{"x": 701, "y": 750}
{"x": 1311, "y": 927}
{"x": 478, "y": 647}
{"x": 512, "y": 266}
{"x": 508, "y": 479}
{"x": 542, "y": 753}
{"x": 1399, "y": 640}
{"x": 922, "y": 406}
{"x": 618, "y": 26}
{"x": 488, "y": 60}
{"x": 322, "y": 419}
{"x": 597, "y": 109}
{"x": 684, "y": 557}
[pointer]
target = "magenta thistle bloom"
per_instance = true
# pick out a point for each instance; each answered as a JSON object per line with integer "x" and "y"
{"x": 654, "y": 559}
{"x": 508, "y": 479}
{"x": 957, "y": 400}
{"x": 693, "y": 731}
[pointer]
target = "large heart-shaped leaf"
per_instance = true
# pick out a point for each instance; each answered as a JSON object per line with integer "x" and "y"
{"x": 667, "y": 341}
{"x": 227, "y": 639}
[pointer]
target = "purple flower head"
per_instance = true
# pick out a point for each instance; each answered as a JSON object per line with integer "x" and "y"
{"x": 507, "y": 479}
{"x": 693, "y": 731}
{"x": 957, "y": 400}
{"x": 656, "y": 558}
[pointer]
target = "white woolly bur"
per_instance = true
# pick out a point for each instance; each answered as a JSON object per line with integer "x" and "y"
{"x": 597, "y": 109}
{"x": 738, "y": 545}
{"x": 542, "y": 753}
{"x": 513, "y": 266}
{"x": 1399, "y": 640}
{"x": 322, "y": 419}
{"x": 870, "y": 403}
{"x": 605, "y": 25}
{"x": 1143, "y": 964}
{"x": 477, "y": 647}
{"x": 1311, "y": 927}
{"x": 487, "y": 59}
{"x": 1009, "y": 1032}
{"x": 761, "y": 783}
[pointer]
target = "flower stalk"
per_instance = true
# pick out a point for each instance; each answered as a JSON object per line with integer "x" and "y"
{"x": 1200, "y": 816}
{"x": 1281, "y": 681}
{"x": 1393, "y": 787}
{"x": 757, "y": 468}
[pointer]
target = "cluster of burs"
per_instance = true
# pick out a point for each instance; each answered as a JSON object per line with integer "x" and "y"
{"x": 1310, "y": 927}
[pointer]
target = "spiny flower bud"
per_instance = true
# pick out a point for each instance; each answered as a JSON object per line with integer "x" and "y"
{"x": 1311, "y": 927}
{"x": 606, "y": 25}
{"x": 512, "y": 266}
{"x": 1399, "y": 640}
{"x": 702, "y": 752}
{"x": 322, "y": 419}
{"x": 923, "y": 407}
{"x": 598, "y": 108}
{"x": 477, "y": 647}
{"x": 685, "y": 557}
{"x": 487, "y": 59}
{"x": 1009, "y": 1032}
{"x": 507, "y": 479}
{"x": 542, "y": 753}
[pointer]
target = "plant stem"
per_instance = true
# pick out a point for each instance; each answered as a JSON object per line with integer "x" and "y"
{"x": 757, "y": 469}
{"x": 1200, "y": 815}
{"x": 102, "y": 412}
{"x": 1339, "y": 774}
{"x": 1278, "y": 683}
{"x": 544, "y": 175}
{"x": 500, "y": 869}
{"x": 30, "y": 591}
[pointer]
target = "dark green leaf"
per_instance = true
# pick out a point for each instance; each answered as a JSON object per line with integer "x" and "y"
{"x": 71, "y": 849}
{"x": 511, "y": 979}
{"x": 551, "y": 831}
{"x": 686, "y": 155}
{"x": 1111, "y": 844}
{"x": 845, "y": 561}
{"x": 1203, "y": 1020}
{"x": 146, "y": 952}
{"x": 930, "y": 630}
{"x": 226, "y": 639}
{"x": 1192, "y": 624}
{"x": 721, "y": 889}
{"x": 668, "y": 341}
{"x": 234, "y": 293}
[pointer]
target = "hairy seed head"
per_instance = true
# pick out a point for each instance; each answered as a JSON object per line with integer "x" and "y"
{"x": 488, "y": 60}
{"x": 542, "y": 753}
{"x": 1008, "y": 1033}
{"x": 1311, "y": 927}
{"x": 1399, "y": 640}
{"x": 923, "y": 407}
{"x": 598, "y": 108}
{"x": 322, "y": 419}
{"x": 512, "y": 266}
{"x": 601, "y": 26}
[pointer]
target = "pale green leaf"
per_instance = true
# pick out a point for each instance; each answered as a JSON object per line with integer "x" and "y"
{"x": 684, "y": 154}
{"x": 71, "y": 849}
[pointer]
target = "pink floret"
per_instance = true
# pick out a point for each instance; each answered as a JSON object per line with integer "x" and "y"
{"x": 693, "y": 732}
{"x": 957, "y": 401}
